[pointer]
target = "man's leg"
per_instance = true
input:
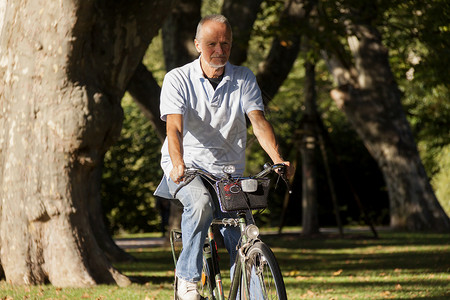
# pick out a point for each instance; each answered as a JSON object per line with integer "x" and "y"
{"x": 195, "y": 220}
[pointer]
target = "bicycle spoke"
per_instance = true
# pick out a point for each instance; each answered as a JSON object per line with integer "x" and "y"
{"x": 264, "y": 277}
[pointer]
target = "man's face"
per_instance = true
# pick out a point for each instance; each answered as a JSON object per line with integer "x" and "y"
{"x": 214, "y": 44}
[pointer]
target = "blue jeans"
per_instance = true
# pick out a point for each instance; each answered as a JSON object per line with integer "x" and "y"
{"x": 198, "y": 212}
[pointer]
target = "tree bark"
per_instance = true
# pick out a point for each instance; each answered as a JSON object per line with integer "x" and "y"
{"x": 178, "y": 34}
{"x": 65, "y": 66}
{"x": 112, "y": 251}
{"x": 310, "y": 218}
{"x": 284, "y": 50}
{"x": 371, "y": 100}
{"x": 241, "y": 14}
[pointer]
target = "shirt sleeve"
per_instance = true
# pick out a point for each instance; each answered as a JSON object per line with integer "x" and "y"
{"x": 172, "y": 100}
{"x": 251, "y": 94}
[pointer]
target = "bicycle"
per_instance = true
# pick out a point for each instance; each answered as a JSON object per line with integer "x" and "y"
{"x": 256, "y": 269}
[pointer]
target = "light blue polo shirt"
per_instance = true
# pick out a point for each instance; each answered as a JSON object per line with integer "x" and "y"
{"x": 214, "y": 129}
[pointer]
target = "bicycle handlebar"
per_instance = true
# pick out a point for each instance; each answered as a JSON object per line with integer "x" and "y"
{"x": 190, "y": 173}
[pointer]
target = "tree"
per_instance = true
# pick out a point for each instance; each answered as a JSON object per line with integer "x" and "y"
{"x": 369, "y": 96}
{"x": 179, "y": 33}
{"x": 285, "y": 47}
{"x": 241, "y": 15}
{"x": 65, "y": 68}
{"x": 310, "y": 219}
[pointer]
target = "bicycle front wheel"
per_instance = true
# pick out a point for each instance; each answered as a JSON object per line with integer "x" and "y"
{"x": 264, "y": 279}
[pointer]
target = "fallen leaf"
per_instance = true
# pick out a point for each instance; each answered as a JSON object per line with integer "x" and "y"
{"x": 338, "y": 272}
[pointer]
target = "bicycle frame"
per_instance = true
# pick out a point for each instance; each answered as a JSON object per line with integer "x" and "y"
{"x": 210, "y": 253}
{"x": 212, "y": 256}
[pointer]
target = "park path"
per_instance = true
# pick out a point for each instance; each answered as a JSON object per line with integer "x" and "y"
{"x": 151, "y": 242}
{"x": 134, "y": 243}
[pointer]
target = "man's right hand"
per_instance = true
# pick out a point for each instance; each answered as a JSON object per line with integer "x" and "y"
{"x": 177, "y": 173}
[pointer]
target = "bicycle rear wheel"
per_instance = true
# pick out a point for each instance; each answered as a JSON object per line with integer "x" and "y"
{"x": 264, "y": 277}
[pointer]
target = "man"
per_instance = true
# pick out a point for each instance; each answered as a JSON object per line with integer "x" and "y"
{"x": 204, "y": 104}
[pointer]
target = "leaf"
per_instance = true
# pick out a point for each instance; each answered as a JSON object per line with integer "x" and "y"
{"x": 338, "y": 272}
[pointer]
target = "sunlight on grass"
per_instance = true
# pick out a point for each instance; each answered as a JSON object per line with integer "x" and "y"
{"x": 396, "y": 266}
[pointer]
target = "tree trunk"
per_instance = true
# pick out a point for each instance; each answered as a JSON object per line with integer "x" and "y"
{"x": 284, "y": 50}
{"x": 310, "y": 219}
{"x": 179, "y": 33}
{"x": 241, "y": 14}
{"x": 112, "y": 251}
{"x": 65, "y": 66}
{"x": 370, "y": 98}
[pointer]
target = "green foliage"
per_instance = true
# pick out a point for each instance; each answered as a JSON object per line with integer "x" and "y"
{"x": 211, "y": 7}
{"x": 131, "y": 173}
{"x": 429, "y": 114}
{"x": 417, "y": 36}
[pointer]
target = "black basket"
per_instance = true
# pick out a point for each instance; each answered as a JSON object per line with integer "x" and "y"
{"x": 232, "y": 198}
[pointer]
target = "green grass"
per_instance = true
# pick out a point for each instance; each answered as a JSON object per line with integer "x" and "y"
{"x": 395, "y": 266}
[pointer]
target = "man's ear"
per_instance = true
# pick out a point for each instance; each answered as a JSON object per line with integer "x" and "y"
{"x": 197, "y": 46}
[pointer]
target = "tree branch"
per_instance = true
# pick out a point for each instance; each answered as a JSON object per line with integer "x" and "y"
{"x": 145, "y": 91}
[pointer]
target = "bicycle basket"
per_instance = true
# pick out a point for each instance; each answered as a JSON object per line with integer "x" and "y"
{"x": 232, "y": 198}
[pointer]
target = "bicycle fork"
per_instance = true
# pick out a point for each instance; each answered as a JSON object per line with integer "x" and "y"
{"x": 240, "y": 279}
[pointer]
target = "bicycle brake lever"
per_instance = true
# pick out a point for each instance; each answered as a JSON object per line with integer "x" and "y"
{"x": 282, "y": 174}
{"x": 287, "y": 183}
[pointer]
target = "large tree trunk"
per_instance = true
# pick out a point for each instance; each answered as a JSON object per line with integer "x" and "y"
{"x": 370, "y": 98}
{"x": 64, "y": 68}
{"x": 112, "y": 251}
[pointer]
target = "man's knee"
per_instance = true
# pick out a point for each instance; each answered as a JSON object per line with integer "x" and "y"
{"x": 197, "y": 198}
{"x": 202, "y": 203}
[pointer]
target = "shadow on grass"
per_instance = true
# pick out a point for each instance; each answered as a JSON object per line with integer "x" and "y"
{"x": 412, "y": 253}
{"x": 414, "y": 262}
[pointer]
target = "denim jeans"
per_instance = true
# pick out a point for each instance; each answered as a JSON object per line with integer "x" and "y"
{"x": 198, "y": 212}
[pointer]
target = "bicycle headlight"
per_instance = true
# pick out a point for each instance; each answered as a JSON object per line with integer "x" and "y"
{"x": 252, "y": 231}
{"x": 229, "y": 169}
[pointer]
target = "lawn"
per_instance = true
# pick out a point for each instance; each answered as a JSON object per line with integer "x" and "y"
{"x": 395, "y": 266}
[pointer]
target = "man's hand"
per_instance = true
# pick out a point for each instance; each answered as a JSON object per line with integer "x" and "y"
{"x": 177, "y": 173}
{"x": 290, "y": 170}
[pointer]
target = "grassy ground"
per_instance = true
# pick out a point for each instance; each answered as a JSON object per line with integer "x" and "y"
{"x": 395, "y": 266}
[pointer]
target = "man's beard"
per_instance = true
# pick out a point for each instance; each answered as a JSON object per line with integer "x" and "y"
{"x": 217, "y": 66}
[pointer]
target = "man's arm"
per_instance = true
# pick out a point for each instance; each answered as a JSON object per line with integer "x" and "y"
{"x": 174, "y": 129}
{"x": 266, "y": 138}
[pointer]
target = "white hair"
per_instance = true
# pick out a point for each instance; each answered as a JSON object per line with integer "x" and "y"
{"x": 216, "y": 18}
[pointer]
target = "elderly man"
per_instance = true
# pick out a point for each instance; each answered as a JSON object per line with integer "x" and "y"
{"x": 204, "y": 105}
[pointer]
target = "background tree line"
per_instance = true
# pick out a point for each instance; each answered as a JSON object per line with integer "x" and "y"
{"x": 413, "y": 50}
{"x": 66, "y": 67}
